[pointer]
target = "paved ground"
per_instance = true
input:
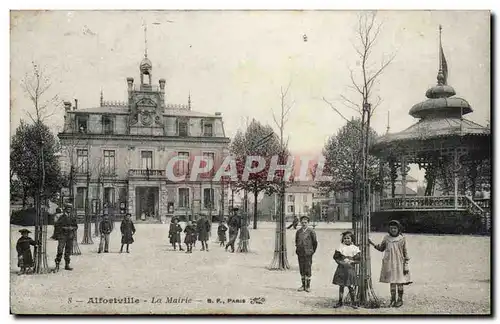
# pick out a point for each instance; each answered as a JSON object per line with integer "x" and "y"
{"x": 451, "y": 275}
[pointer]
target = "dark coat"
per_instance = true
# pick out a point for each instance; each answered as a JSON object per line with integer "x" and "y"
{"x": 128, "y": 229}
{"x": 345, "y": 275}
{"x": 305, "y": 242}
{"x": 105, "y": 227}
{"x": 221, "y": 232}
{"x": 23, "y": 248}
{"x": 203, "y": 228}
{"x": 234, "y": 222}
{"x": 66, "y": 227}
{"x": 174, "y": 233}
{"x": 190, "y": 236}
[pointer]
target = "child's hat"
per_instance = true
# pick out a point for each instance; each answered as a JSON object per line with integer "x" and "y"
{"x": 24, "y": 230}
{"x": 395, "y": 223}
{"x": 304, "y": 217}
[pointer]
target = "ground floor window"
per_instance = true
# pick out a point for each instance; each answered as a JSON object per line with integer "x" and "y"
{"x": 208, "y": 198}
{"x": 109, "y": 196}
{"x": 80, "y": 197}
{"x": 183, "y": 197}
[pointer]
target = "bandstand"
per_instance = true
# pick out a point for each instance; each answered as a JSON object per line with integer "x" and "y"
{"x": 456, "y": 156}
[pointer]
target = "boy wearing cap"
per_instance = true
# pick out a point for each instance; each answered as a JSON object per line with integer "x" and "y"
{"x": 23, "y": 247}
{"x": 174, "y": 233}
{"x": 306, "y": 244}
{"x": 105, "y": 228}
{"x": 67, "y": 228}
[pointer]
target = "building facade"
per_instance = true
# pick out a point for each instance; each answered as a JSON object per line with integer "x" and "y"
{"x": 298, "y": 199}
{"x": 116, "y": 154}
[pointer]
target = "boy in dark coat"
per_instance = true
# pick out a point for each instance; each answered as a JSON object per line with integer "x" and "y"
{"x": 174, "y": 233}
{"x": 203, "y": 228}
{"x": 23, "y": 247}
{"x": 67, "y": 228}
{"x": 128, "y": 230}
{"x": 221, "y": 232}
{"x": 234, "y": 225}
{"x": 306, "y": 244}
{"x": 190, "y": 236}
{"x": 105, "y": 228}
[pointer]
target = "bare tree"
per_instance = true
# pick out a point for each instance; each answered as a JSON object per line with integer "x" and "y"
{"x": 36, "y": 84}
{"x": 362, "y": 85}
{"x": 280, "y": 259}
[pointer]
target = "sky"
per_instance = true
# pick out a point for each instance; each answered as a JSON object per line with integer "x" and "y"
{"x": 235, "y": 62}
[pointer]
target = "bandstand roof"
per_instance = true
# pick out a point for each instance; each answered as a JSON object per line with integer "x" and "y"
{"x": 440, "y": 118}
{"x": 434, "y": 128}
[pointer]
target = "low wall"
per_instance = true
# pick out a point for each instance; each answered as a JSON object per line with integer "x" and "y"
{"x": 432, "y": 222}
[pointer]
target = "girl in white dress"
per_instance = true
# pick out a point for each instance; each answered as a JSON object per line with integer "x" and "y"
{"x": 346, "y": 255}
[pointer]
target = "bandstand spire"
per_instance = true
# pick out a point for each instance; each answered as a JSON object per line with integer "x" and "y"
{"x": 443, "y": 65}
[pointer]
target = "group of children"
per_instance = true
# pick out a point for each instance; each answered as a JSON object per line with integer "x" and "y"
{"x": 394, "y": 270}
{"x": 194, "y": 232}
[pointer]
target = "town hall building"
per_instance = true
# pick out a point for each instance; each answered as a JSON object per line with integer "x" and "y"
{"x": 115, "y": 155}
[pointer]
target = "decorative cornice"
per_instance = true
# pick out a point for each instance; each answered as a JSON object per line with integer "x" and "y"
{"x": 127, "y": 137}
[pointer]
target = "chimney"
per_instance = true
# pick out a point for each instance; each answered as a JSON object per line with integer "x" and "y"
{"x": 67, "y": 105}
{"x": 130, "y": 83}
{"x": 76, "y": 104}
{"x": 218, "y": 113}
{"x": 162, "y": 85}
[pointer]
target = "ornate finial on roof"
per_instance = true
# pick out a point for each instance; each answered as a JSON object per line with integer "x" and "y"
{"x": 442, "y": 76}
{"x": 442, "y": 89}
{"x": 189, "y": 100}
{"x": 145, "y": 40}
{"x": 102, "y": 98}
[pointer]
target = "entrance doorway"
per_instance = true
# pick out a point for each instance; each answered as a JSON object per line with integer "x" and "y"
{"x": 147, "y": 203}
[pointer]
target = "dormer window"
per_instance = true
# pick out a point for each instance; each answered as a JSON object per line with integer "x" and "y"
{"x": 82, "y": 124}
{"x": 107, "y": 125}
{"x": 182, "y": 128}
{"x": 208, "y": 129}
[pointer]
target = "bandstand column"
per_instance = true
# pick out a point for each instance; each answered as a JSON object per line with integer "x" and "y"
{"x": 393, "y": 176}
{"x": 404, "y": 172}
{"x": 456, "y": 171}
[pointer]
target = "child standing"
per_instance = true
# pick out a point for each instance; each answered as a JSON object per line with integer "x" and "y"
{"x": 128, "y": 230}
{"x": 23, "y": 247}
{"x": 174, "y": 233}
{"x": 346, "y": 255}
{"x": 395, "y": 262}
{"x": 190, "y": 236}
{"x": 221, "y": 232}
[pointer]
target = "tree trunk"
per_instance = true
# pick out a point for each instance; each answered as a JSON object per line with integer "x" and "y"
{"x": 255, "y": 194}
{"x": 25, "y": 197}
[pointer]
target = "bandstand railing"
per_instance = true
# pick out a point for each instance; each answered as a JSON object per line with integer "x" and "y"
{"x": 423, "y": 202}
{"x": 484, "y": 203}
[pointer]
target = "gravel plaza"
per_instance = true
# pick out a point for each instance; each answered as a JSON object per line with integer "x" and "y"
{"x": 154, "y": 279}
